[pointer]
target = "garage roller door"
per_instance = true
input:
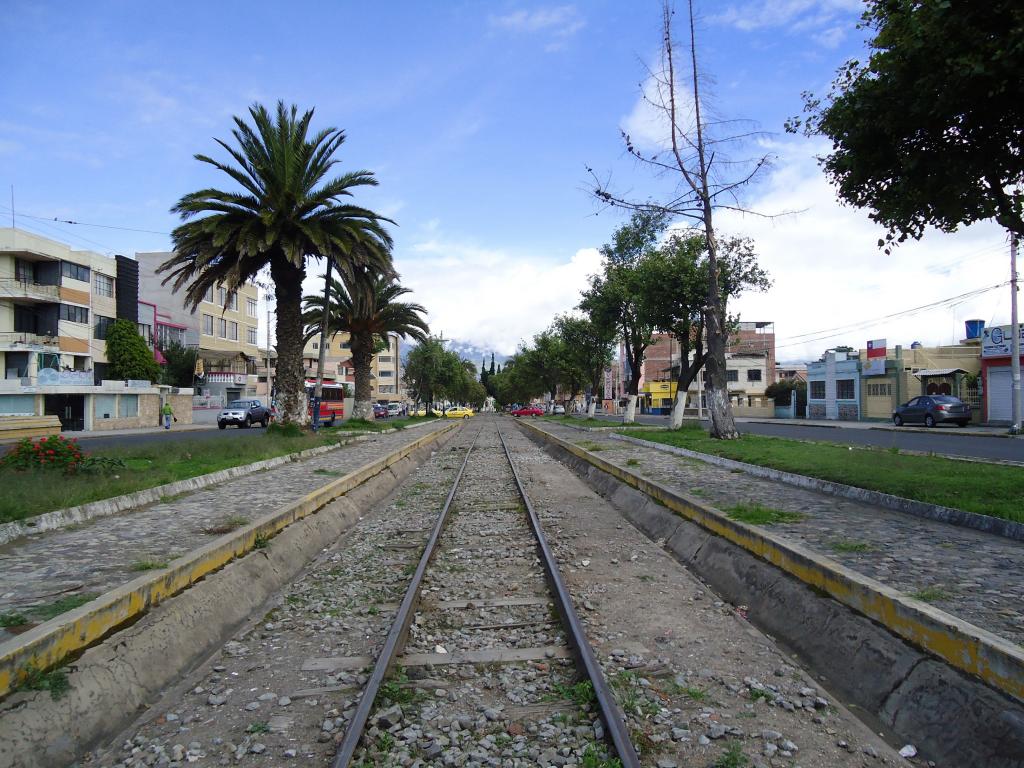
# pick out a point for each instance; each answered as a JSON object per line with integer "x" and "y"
{"x": 998, "y": 389}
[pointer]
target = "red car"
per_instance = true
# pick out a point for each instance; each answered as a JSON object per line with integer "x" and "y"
{"x": 529, "y": 410}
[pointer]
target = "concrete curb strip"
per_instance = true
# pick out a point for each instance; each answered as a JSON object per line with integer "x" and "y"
{"x": 994, "y": 525}
{"x": 48, "y": 644}
{"x": 958, "y": 643}
{"x": 59, "y": 518}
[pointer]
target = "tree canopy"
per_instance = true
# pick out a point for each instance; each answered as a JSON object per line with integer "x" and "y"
{"x": 128, "y": 354}
{"x": 929, "y": 131}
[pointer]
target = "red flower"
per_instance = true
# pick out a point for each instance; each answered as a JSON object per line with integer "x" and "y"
{"x": 50, "y": 452}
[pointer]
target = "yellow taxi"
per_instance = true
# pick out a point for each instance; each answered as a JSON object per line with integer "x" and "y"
{"x": 458, "y": 412}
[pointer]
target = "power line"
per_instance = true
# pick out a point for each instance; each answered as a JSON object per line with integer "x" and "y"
{"x": 51, "y": 230}
{"x": 87, "y": 224}
{"x": 831, "y": 333}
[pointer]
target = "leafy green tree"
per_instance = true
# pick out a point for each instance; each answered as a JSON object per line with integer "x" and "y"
{"x": 180, "y": 365}
{"x": 621, "y": 296}
{"x": 587, "y": 348}
{"x": 433, "y": 373}
{"x": 927, "y": 131}
{"x": 679, "y": 291}
{"x": 286, "y": 211}
{"x": 364, "y": 304}
{"x": 128, "y": 353}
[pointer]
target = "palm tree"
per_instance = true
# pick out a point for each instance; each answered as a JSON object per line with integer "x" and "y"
{"x": 286, "y": 211}
{"x": 363, "y": 303}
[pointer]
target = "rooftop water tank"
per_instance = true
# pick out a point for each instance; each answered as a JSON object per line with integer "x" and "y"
{"x": 916, "y": 345}
{"x": 974, "y": 328}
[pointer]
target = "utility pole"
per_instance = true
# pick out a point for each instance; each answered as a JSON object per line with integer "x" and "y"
{"x": 1015, "y": 336}
{"x": 318, "y": 391}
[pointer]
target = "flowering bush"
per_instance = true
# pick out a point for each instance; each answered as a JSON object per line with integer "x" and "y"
{"x": 50, "y": 452}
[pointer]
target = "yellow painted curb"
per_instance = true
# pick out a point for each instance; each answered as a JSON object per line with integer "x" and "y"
{"x": 959, "y": 643}
{"x": 50, "y": 643}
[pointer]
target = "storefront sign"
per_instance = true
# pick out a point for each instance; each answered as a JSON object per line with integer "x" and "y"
{"x": 995, "y": 342}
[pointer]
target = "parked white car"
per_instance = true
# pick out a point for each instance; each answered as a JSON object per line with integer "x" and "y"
{"x": 558, "y": 410}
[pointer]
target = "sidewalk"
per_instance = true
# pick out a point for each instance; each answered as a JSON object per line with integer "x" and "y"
{"x": 103, "y": 553}
{"x": 116, "y": 432}
{"x": 972, "y": 431}
{"x": 974, "y": 575}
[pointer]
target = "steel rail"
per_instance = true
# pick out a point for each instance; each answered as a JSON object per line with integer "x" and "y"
{"x": 395, "y": 640}
{"x": 614, "y": 725}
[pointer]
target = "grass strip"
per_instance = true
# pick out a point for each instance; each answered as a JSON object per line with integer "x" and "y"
{"x": 27, "y": 493}
{"x": 576, "y": 421}
{"x": 986, "y": 489}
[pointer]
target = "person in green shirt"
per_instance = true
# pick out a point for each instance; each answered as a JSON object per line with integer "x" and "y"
{"x": 168, "y": 413}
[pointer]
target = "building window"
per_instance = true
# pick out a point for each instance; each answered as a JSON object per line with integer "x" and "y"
{"x": 384, "y": 359}
{"x": 250, "y": 336}
{"x": 732, "y": 375}
{"x": 233, "y": 331}
{"x": 146, "y": 332}
{"x": 127, "y": 406}
{"x": 385, "y": 374}
{"x": 167, "y": 335}
{"x": 74, "y": 314}
{"x": 104, "y": 406}
{"x": 74, "y": 271}
{"x": 316, "y": 345}
{"x": 753, "y": 374}
{"x": 845, "y": 390}
{"x": 222, "y": 296}
{"x": 251, "y": 307}
{"x": 103, "y": 285}
{"x": 386, "y": 389}
{"x": 208, "y": 296}
{"x": 232, "y": 302}
{"x": 222, "y": 328}
{"x": 208, "y": 325}
{"x": 817, "y": 390}
{"x": 102, "y": 327}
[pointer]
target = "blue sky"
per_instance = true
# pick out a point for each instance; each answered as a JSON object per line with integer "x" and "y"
{"x": 479, "y": 120}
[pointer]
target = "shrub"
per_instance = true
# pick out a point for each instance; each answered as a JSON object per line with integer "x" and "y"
{"x": 54, "y": 452}
{"x": 129, "y": 355}
{"x": 289, "y": 429}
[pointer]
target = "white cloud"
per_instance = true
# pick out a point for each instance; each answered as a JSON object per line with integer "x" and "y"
{"x": 491, "y": 297}
{"x": 799, "y": 15}
{"x": 561, "y": 22}
{"x": 829, "y": 271}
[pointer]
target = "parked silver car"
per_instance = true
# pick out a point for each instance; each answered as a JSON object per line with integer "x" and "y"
{"x": 243, "y": 414}
{"x": 931, "y": 410}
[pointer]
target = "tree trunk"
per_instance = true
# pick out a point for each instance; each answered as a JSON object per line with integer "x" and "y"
{"x": 722, "y": 424}
{"x": 678, "y": 409}
{"x": 630, "y": 416}
{"x": 592, "y": 408}
{"x": 291, "y": 388}
{"x": 362, "y": 360}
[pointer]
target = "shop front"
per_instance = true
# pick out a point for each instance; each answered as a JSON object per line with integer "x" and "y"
{"x": 996, "y": 376}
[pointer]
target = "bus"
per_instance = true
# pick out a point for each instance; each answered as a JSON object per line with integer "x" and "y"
{"x": 332, "y": 402}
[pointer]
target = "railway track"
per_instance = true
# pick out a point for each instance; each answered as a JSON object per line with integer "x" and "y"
{"x": 522, "y": 650}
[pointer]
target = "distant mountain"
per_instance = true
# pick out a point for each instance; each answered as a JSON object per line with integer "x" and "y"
{"x": 466, "y": 351}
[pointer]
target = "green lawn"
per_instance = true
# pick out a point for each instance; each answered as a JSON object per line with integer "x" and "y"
{"x": 987, "y": 489}
{"x": 24, "y": 494}
{"x": 575, "y": 421}
{"x": 360, "y": 425}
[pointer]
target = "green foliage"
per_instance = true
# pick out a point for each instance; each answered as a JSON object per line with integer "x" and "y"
{"x": 128, "y": 353}
{"x": 13, "y": 619}
{"x": 49, "y": 611}
{"x": 433, "y": 373}
{"x": 286, "y": 429}
{"x": 53, "y": 452}
{"x": 595, "y": 757}
{"x": 31, "y": 678}
{"x": 930, "y": 594}
{"x": 179, "y": 366}
{"x": 285, "y": 208}
{"x": 781, "y": 391}
{"x": 926, "y": 132}
{"x": 733, "y": 757}
{"x": 581, "y": 693}
{"x": 757, "y": 514}
{"x": 988, "y": 489}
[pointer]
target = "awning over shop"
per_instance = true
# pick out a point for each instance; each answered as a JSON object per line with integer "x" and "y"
{"x": 926, "y": 373}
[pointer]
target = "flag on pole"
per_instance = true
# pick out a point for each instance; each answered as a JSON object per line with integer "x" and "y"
{"x": 875, "y": 363}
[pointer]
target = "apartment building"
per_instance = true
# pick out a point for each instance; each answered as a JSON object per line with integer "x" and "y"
{"x": 56, "y": 306}
{"x": 386, "y": 367}
{"x": 224, "y": 328}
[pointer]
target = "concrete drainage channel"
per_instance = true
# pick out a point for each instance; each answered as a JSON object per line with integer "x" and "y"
{"x": 145, "y": 639}
{"x": 955, "y": 717}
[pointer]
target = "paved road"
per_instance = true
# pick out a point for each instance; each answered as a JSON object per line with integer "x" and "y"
{"x": 937, "y": 441}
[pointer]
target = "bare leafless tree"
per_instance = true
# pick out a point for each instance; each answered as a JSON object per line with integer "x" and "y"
{"x": 704, "y": 180}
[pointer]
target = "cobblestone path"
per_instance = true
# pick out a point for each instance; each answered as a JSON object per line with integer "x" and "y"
{"x": 974, "y": 575}
{"x": 106, "y": 552}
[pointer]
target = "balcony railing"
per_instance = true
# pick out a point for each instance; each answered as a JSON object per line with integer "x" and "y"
{"x": 12, "y": 340}
{"x": 12, "y": 288}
